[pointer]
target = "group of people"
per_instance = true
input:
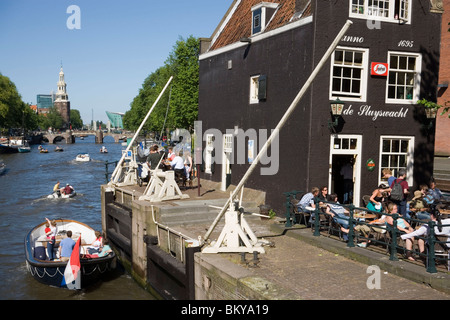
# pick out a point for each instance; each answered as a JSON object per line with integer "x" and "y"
{"x": 383, "y": 201}
{"x": 98, "y": 248}
{"x": 68, "y": 189}
{"x": 180, "y": 161}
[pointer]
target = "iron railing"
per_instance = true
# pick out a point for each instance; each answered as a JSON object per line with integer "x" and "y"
{"x": 390, "y": 241}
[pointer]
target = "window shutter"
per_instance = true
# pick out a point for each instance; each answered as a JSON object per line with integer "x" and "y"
{"x": 262, "y": 87}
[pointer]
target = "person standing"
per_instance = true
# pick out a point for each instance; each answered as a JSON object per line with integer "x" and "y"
{"x": 347, "y": 174}
{"x": 51, "y": 235}
{"x": 66, "y": 247}
{"x": 401, "y": 203}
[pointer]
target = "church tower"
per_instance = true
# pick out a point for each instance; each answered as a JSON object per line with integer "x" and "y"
{"x": 62, "y": 103}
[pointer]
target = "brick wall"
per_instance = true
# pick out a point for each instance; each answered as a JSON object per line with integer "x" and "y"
{"x": 442, "y": 144}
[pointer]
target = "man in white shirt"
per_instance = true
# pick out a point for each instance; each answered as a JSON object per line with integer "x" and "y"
{"x": 178, "y": 162}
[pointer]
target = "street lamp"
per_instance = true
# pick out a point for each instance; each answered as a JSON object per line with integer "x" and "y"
{"x": 337, "y": 107}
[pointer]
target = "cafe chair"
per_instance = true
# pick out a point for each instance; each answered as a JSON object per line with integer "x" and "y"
{"x": 299, "y": 215}
{"x": 366, "y": 200}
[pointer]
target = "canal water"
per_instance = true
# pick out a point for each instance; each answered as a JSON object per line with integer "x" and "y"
{"x": 24, "y": 187}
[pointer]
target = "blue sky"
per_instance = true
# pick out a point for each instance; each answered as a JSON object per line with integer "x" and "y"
{"x": 105, "y": 61}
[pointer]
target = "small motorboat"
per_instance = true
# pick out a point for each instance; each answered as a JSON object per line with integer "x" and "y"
{"x": 52, "y": 272}
{"x": 57, "y": 195}
{"x": 103, "y": 150}
{"x": 43, "y": 150}
{"x": 24, "y": 149}
{"x": 59, "y": 149}
{"x": 83, "y": 157}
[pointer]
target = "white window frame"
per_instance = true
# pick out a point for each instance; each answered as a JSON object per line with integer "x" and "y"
{"x": 409, "y": 158}
{"x": 417, "y": 77}
{"x": 208, "y": 153}
{"x": 345, "y": 96}
{"x": 254, "y": 89}
{"x": 367, "y": 11}
{"x": 263, "y": 16}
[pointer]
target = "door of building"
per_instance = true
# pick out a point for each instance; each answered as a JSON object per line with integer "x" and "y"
{"x": 345, "y": 150}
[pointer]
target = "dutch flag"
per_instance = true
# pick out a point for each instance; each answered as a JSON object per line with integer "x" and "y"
{"x": 72, "y": 276}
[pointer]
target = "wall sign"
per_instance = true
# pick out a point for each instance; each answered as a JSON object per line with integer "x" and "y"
{"x": 379, "y": 69}
{"x": 370, "y": 164}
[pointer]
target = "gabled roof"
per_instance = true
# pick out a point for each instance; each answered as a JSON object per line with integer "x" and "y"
{"x": 238, "y": 23}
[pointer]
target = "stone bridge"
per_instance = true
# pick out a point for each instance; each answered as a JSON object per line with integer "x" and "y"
{"x": 70, "y": 136}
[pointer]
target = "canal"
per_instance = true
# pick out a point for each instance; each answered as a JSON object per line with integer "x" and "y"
{"x": 24, "y": 187}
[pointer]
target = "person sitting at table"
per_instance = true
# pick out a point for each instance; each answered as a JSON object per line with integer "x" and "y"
{"x": 338, "y": 213}
{"x": 307, "y": 203}
{"x": 435, "y": 192}
{"x": 377, "y": 198}
{"x": 442, "y": 228}
{"x": 419, "y": 206}
{"x": 402, "y": 225}
{"x": 365, "y": 229}
{"x": 323, "y": 194}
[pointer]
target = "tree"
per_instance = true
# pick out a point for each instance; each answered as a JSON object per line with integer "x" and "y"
{"x": 180, "y": 100}
{"x": 75, "y": 119}
{"x": 11, "y": 104}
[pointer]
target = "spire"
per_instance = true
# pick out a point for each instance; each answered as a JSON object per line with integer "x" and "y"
{"x": 61, "y": 94}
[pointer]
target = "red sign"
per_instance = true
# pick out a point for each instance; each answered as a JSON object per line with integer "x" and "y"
{"x": 379, "y": 69}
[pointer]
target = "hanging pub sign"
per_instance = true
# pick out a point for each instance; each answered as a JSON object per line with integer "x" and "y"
{"x": 379, "y": 69}
{"x": 370, "y": 164}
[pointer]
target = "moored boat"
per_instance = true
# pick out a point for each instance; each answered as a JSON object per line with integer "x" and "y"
{"x": 52, "y": 272}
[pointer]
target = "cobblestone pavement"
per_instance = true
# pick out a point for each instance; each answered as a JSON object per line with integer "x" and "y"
{"x": 315, "y": 273}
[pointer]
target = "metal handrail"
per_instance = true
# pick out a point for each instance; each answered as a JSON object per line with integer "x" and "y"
{"x": 430, "y": 239}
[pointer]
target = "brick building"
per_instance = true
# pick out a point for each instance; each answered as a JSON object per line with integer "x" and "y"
{"x": 261, "y": 55}
{"x": 442, "y": 145}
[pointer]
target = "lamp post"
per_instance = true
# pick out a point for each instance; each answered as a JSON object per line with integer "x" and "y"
{"x": 337, "y": 107}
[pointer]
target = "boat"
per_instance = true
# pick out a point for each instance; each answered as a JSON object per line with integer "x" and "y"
{"x": 24, "y": 148}
{"x": 8, "y": 146}
{"x": 57, "y": 195}
{"x": 59, "y": 149}
{"x": 52, "y": 272}
{"x": 43, "y": 151}
{"x": 103, "y": 150}
{"x": 83, "y": 157}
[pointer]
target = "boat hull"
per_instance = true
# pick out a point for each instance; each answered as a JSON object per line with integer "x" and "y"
{"x": 52, "y": 272}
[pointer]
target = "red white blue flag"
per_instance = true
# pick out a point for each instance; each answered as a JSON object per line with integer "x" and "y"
{"x": 72, "y": 276}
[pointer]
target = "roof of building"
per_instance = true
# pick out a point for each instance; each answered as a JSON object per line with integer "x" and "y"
{"x": 238, "y": 23}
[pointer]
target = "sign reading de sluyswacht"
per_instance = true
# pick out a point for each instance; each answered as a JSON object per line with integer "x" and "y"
{"x": 368, "y": 111}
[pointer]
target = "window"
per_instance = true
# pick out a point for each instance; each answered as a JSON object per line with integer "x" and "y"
{"x": 261, "y": 15}
{"x": 396, "y": 154}
{"x": 349, "y": 74}
{"x": 209, "y": 153}
{"x": 403, "y": 78}
{"x": 256, "y": 21}
{"x": 254, "y": 89}
{"x": 383, "y": 10}
{"x": 258, "y": 88}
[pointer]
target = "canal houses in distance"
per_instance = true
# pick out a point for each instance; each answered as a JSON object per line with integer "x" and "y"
{"x": 261, "y": 55}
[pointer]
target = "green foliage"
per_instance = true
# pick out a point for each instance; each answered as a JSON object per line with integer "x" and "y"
{"x": 51, "y": 119}
{"x": 182, "y": 107}
{"x": 433, "y": 105}
{"x": 75, "y": 119}
{"x": 11, "y": 104}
